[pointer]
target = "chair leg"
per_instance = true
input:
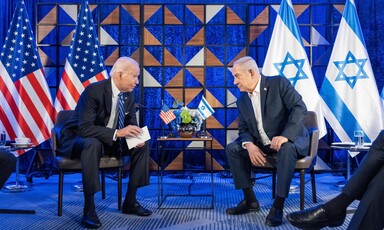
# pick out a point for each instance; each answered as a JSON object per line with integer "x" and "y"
{"x": 273, "y": 184}
{"x": 302, "y": 184}
{"x": 60, "y": 195}
{"x": 314, "y": 197}
{"x": 119, "y": 188}
{"x": 102, "y": 185}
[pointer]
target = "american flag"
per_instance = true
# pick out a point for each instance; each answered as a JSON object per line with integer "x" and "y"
{"x": 25, "y": 101}
{"x": 84, "y": 64}
{"x": 166, "y": 114}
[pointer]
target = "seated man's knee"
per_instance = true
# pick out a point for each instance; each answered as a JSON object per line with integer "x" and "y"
{"x": 91, "y": 142}
{"x": 232, "y": 148}
{"x": 288, "y": 149}
{"x": 92, "y": 146}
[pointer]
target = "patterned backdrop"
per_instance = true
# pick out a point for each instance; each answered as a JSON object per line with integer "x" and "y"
{"x": 186, "y": 51}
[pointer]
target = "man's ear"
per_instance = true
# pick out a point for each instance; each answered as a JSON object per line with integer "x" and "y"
{"x": 251, "y": 72}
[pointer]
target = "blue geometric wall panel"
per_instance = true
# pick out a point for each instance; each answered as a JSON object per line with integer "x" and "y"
{"x": 215, "y": 76}
{"x": 134, "y": 39}
{"x": 185, "y": 51}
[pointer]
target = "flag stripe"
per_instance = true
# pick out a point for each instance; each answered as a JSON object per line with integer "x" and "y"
{"x": 14, "y": 109}
{"x": 286, "y": 57}
{"x": 353, "y": 21}
{"x": 42, "y": 99}
{"x": 349, "y": 89}
{"x": 167, "y": 116}
{"x": 71, "y": 87}
{"x": 339, "y": 109}
{"x": 286, "y": 13}
{"x": 6, "y": 123}
{"x": 84, "y": 64}
{"x": 30, "y": 106}
{"x": 26, "y": 105}
{"x": 204, "y": 108}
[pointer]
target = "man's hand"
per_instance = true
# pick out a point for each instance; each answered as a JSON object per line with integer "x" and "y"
{"x": 140, "y": 145}
{"x": 277, "y": 142}
{"x": 129, "y": 131}
{"x": 256, "y": 155}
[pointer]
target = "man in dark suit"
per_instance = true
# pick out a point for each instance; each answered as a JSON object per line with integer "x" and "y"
{"x": 93, "y": 131}
{"x": 7, "y": 165}
{"x": 365, "y": 185}
{"x": 271, "y": 114}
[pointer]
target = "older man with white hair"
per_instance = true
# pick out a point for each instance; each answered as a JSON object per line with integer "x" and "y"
{"x": 103, "y": 117}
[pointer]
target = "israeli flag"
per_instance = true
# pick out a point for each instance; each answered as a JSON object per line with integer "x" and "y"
{"x": 286, "y": 57}
{"x": 204, "y": 109}
{"x": 382, "y": 95}
{"x": 349, "y": 91}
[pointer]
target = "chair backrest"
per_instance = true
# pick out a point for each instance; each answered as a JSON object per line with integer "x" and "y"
{"x": 61, "y": 118}
{"x": 310, "y": 122}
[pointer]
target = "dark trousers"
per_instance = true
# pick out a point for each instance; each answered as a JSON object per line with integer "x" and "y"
{"x": 367, "y": 184}
{"x": 90, "y": 150}
{"x": 7, "y": 165}
{"x": 241, "y": 166}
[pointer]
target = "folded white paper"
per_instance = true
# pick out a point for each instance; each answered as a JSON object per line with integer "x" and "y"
{"x": 143, "y": 137}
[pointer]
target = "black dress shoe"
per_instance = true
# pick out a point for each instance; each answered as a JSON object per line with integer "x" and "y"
{"x": 136, "y": 209}
{"x": 243, "y": 208}
{"x": 90, "y": 220}
{"x": 315, "y": 217}
{"x": 274, "y": 218}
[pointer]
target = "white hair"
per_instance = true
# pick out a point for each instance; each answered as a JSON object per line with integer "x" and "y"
{"x": 121, "y": 65}
{"x": 247, "y": 63}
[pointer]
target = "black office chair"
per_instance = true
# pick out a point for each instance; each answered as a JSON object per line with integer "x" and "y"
{"x": 66, "y": 164}
{"x": 306, "y": 163}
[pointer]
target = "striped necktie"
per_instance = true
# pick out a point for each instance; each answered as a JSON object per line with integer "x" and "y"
{"x": 120, "y": 104}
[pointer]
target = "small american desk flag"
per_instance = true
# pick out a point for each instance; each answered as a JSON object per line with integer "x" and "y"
{"x": 84, "y": 64}
{"x": 166, "y": 114}
{"x": 25, "y": 100}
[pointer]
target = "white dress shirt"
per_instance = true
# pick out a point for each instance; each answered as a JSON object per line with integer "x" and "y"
{"x": 255, "y": 99}
{"x": 113, "y": 117}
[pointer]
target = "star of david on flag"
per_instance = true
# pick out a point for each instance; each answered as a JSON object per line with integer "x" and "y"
{"x": 351, "y": 99}
{"x": 26, "y": 108}
{"x": 350, "y": 59}
{"x": 205, "y": 109}
{"x": 286, "y": 57}
{"x": 84, "y": 64}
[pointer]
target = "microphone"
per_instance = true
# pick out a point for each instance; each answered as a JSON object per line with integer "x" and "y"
{"x": 143, "y": 106}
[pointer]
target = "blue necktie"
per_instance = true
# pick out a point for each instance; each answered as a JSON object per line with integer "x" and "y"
{"x": 120, "y": 104}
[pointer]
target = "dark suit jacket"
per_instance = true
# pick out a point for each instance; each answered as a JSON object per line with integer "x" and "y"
{"x": 91, "y": 116}
{"x": 282, "y": 110}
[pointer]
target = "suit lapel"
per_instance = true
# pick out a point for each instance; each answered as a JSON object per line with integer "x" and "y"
{"x": 263, "y": 94}
{"x": 108, "y": 100}
{"x": 249, "y": 107}
{"x": 126, "y": 102}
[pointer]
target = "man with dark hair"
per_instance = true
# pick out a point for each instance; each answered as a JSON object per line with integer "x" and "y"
{"x": 365, "y": 185}
{"x": 104, "y": 116}
{"x": 271, "y": 114}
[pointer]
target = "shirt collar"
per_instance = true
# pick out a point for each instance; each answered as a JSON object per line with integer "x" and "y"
{"x": 256, "y": 90}
{"x": 115, "y": 90}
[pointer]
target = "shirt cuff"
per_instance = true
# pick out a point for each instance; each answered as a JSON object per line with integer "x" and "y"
{"x": 244, "y": 143}
{"x": 114, "y": 135}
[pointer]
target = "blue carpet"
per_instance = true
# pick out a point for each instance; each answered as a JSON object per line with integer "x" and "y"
{"x": 43, "y": 199}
